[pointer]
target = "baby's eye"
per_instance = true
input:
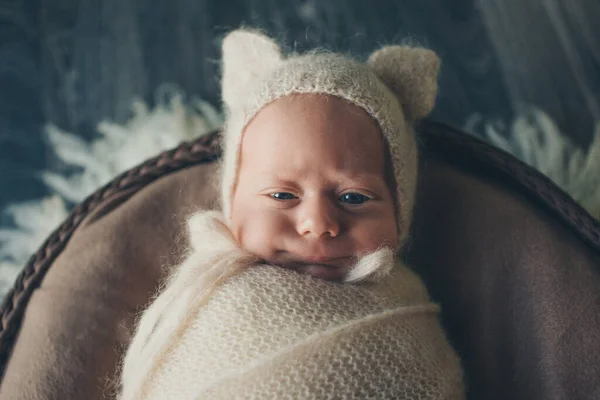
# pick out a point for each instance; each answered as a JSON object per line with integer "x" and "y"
{"x": 283, "y": 196}
{"x": 354, "y": 198}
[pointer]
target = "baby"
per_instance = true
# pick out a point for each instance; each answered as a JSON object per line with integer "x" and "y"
{"x": 294, "y": 289}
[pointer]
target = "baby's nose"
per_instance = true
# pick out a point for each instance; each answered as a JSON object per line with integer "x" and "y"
{"x": 318, "y": 218}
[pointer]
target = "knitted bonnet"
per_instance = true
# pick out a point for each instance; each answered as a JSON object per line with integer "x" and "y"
{"x": 396, "y": 86}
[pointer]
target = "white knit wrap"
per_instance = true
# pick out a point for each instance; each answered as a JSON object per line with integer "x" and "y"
{"x": 269, "y": 333}
{"x": 396, "y": 86}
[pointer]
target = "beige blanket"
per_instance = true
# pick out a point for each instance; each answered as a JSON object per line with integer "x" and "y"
{"x": 269, "y": 333}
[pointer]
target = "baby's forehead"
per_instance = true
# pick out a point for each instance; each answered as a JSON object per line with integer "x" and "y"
{"x": 321, "y": 172}
{"x": 316, "y": 118}
{"x": 307, "y": 132}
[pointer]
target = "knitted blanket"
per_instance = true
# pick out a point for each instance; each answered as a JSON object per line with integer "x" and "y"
{"x": 270, "y": 333}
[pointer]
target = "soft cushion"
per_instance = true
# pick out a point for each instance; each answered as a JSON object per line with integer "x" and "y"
{"x": 513, "y": 261}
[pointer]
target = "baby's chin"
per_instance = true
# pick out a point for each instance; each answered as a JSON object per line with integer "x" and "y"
{"x": 326, "y": 272}
{"x": 352, "y": 268}
{"x": 330, "y": 270}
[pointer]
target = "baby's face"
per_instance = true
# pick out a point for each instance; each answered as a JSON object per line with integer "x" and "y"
{"x": 312, "y": 186}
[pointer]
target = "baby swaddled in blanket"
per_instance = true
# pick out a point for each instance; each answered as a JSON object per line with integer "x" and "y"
{"x": 296, "y": 288}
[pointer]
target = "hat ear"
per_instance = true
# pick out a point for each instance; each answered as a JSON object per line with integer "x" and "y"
{"x": 411, "y": 73}
{"x": 247, "y": 57}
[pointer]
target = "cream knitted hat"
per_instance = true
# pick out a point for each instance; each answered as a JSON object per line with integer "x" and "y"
{"x": 396, "y": 86}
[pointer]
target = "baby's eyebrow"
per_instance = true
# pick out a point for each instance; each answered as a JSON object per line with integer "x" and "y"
{"x": 369, "y": 180}
{"x": 364, "y": 179}
{"x": 277, "y": 180}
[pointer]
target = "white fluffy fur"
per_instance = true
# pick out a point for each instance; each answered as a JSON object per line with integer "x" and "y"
{"x": 372, "y": 267}
{"x": 535, "y": 139}
{"x": 117, "y": 148}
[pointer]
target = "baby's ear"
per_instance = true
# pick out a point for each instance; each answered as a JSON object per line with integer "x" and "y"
{"x": 247, "y": 57}
{"x": 411, "y": 73}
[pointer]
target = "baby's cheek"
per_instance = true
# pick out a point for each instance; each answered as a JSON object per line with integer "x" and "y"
{"x": 263, "y": 232}
{"x": 379, "y": 233}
